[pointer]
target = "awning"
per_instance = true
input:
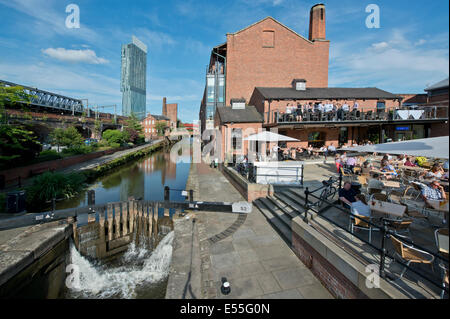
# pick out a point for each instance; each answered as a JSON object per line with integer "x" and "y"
{"x": 436, "y": 147}
{"x": 268, "y": 136}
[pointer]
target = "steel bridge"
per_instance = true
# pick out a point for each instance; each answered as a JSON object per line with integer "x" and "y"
{"x": 48, "y": 99}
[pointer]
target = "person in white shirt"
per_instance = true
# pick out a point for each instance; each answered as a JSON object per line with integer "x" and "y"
{"x": 320, "y": 107}
{"x": 355, "y": 106}
{"x": 360, "y": 207}
{"x": 345, "y": 107}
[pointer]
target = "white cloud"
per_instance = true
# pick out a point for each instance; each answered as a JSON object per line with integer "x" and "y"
{"x": 397, "y": 64}
{"x": 75, "y": 56}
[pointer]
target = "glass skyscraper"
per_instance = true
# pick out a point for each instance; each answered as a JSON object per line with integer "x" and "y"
{"x": 133, "y": 81}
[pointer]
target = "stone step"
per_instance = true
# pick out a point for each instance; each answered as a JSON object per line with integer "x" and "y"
{"x": 280, "y": 226}
{"x": 297, "y": 207}
{"x": 285, "y": 208}
{"x": 277, "y": 211}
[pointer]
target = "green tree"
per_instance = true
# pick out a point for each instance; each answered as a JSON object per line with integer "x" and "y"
{"x": 10, "y": 95}
{"x": 69, "y": 137}
{"x": 134, "y": 129}
{"x": 160, "y": 127}
{"x": 17, "y": 145}
{"x": 115, "y": 137}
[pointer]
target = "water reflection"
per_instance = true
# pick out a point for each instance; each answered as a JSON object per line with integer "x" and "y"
{"x": 143, "y": 179}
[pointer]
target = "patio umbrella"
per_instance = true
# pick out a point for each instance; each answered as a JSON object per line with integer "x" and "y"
{"x": 268, "y": 136}
{"x": 436, "y": 147}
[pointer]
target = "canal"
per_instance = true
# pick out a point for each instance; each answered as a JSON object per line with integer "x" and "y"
{"x": 141, "y": 269}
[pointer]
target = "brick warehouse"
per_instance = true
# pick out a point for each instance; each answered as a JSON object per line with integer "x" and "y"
{"x": 271, "y": 53}
{"x": 266, "y": 54}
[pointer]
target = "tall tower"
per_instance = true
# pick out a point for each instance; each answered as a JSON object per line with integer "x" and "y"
{"x": 317, "y": 23}
{"x": 134, "y": 78}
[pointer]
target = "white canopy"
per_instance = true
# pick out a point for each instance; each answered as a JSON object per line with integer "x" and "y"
{"x": 268, "y": 136}
{"x": 436, "y": 147}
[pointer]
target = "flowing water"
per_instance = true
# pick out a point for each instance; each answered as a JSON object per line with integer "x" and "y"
{"x": 139, "y": 271}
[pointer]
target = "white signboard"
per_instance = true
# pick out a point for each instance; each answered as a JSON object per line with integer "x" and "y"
{"x": 242, "y": 207}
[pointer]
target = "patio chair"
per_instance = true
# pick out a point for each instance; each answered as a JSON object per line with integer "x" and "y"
{"x": 409, "y": 254}
{"x": 444, "y": 269}
{"x": 368, "y": 116}
{"x": 401, "y": 227}
{"x": 363, "y": 181}
{"x": 361, "y": 222}
{"x": 439, "y": 235}
{"x": 372, "y": 191}
{"x": 380, "y": 196}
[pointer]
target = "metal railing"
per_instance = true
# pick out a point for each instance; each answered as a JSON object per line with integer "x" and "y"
{"x": 250, "y": 173}
{"x": 361, "y": 114}
{"x": 383, "y": 227}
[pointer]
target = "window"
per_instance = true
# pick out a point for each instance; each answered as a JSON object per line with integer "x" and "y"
{"x": 210, "y": 92}
{"x": 236, "y": 135}
{"x": 268, "y": 39}
{"x": 316, "y": 139}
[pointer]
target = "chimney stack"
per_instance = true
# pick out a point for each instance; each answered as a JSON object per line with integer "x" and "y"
{"x": 317, "y": 23}
{"x": 164, "y": 110}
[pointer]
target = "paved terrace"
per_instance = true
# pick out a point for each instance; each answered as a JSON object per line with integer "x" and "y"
{"x": 243, "y": 248}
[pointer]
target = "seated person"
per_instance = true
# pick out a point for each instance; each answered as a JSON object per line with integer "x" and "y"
{"x": 360, "y": 207}
{"x": 347, "y": 195}
{"x": 409, "y": 163}
{"x": 433, "y": 192}
{"x": 435, "y": 172}
{"x": 366, "y": 168}
{"x": 389, "y": 169}
{"x": 351, "y": 163}
{"x": 375, "y": 182}
{"x": 332, "y": 149}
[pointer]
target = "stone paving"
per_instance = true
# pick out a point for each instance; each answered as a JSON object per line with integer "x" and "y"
{"x": 252, "y": 256}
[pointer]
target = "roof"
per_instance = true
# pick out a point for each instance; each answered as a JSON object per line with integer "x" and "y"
{"x": 247, "y": 115}
{"x": 248, "y": 27}
{"x": 440, "y": 85}
{"x": 160, "y": 117}
{"x": 325, "y": 93}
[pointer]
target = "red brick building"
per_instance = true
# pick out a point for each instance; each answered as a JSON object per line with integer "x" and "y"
{"x": 149, "y": 125}
{"x": 265, "y": 54}
{"x": 170, "y": 111}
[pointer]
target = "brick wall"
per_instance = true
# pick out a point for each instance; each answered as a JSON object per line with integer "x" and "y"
{"x": 12, "y": 175}
{"x": 250, "y": 64}
{"x": 331, "y": 278}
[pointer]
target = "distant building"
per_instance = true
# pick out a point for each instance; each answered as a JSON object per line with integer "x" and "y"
{"x": 149, "y": 125}
{"x": 264, "y": 54}
{"x": 133, "y": 80}
{"x": 170, "y": 111}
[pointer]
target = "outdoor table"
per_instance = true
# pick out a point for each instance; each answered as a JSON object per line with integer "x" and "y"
{"x": 392, "y": 184}
{"x": 439, "y": 205}
{"x": 385, "y": 208}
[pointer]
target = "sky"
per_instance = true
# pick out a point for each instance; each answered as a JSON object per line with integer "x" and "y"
{"x": 409, "y": 50}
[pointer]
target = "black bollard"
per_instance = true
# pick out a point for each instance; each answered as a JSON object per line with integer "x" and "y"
{"x": 167, "y": 193}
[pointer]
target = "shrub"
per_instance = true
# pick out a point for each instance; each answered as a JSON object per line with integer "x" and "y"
{"x": 69, "y": 137}
{"x": 115, "y": 137}
{"x": 47, "y": 186}
{"x": 49, "y": 155}
{"x": 80, "y": 150}
{"x": 17, "y": 145}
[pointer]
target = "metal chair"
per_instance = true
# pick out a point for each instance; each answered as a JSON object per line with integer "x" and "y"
{"x": 400, "y": 227}
{"x": 409, "y": 254}
{"x": 361, "y": 222}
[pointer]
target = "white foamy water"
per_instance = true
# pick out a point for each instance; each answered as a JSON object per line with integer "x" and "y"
{"x": 140, "y": 267}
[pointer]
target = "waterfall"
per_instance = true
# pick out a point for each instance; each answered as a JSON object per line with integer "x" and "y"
{"x": 139, "y": 267}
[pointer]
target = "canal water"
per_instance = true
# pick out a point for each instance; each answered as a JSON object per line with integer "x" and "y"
{"x": 140, "y": 270}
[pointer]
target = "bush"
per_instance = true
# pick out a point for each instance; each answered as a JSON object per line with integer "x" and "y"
{"x": 49, "y": 155}
{"x": 47, "y": 186}
{"x": 80, "y": 150}
{"x": 115, "y": 137}
{"x": 69, "y": 137}
{"x": 17, "y": 146}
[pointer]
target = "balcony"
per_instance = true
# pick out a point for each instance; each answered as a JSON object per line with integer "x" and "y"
{"x": 398, "y": 115}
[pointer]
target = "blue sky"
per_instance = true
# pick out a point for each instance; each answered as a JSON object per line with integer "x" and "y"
{"x": 409, "y": 51}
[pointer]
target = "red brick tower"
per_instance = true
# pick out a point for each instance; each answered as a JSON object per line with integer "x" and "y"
{"x": 317, "y": 23}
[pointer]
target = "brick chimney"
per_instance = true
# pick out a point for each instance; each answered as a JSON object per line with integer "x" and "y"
{"x": 164, "y": 110}
{"x": 317, "y": 23}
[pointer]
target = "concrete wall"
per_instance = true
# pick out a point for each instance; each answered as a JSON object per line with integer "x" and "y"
{"x": 250, "y": 191}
